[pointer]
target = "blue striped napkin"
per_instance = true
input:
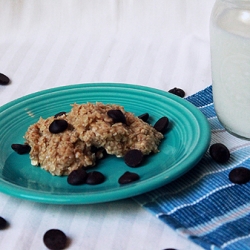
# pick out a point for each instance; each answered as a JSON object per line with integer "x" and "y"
{"x": 204, "y": 205}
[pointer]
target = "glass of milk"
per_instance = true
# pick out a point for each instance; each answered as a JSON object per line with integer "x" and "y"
{"x": 230, "y": 55}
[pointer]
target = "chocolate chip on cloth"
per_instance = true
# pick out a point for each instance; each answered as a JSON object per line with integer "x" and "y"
{"x": 239, "y": 175}
{"x": 55, "y": 239}
{"x": 169, "y": 249}
{"x": 219, "y": 152}
{"x": 4, "y": 80}
{"x": 3, "y": 223}
{"x": 177, "y": 91}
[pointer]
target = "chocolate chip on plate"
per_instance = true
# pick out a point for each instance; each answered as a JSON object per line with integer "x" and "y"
{"x": 4, "y": 80}
{"x": 21, "y": 148}
{"x": 58, "y": 126}
{"x": 77, "y": 177}
{"x": 60, "y": 114}
{"x": 95, "y": 177}
{"x": 3, "y": 223}
{"x": 128, "y": 177}
{"x": 162, "y": 124}
{"x": 239, "y": 175}
{"x": 117, "y": 116}
{"x": 219, "y": 152}
{"x": 55, "y": 239}
{"x": 177, "y": 91}
{"x": 133, "y": 158}
{"x": 144, "y": 117}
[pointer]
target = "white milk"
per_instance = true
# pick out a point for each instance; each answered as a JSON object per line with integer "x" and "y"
{"x": 230, "y": 50}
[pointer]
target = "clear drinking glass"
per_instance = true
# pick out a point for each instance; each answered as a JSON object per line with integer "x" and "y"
{"x": 230, "y": 55}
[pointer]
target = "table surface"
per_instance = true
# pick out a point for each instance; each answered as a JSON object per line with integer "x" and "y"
{"x": 44, "y": 44}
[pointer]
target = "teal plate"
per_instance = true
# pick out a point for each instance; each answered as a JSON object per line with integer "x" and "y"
{"x": 185, "y": 142}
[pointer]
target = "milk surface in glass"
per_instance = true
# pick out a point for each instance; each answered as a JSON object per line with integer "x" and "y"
{"x": 230, "y": 51}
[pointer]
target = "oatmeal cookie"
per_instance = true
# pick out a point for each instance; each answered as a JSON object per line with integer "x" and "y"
{"x": 88, "y": 126}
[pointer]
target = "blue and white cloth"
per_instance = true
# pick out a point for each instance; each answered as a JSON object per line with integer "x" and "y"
{"x": 204, "y": 205}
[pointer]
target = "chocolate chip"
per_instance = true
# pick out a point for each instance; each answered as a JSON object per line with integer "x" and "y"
{"x": 133, "y": 158}
{"x": 95, "y": 178}
{"x": 21, "y": 148}
{"x": 177, "y": 91}
{"x": 162, "y": 124}
{"x": 128, "y": 177}
{"x": 77, "y": 177}
{"x": 219, "y": 152}
{"x": 144, "y": 117}
{"x": 4, "y": 80}
{"x": 3, "y": 223}
{"x": 101, "y": 153}
{"x": 117, "y": 116}
{"x": 60, "y": 114}
{"x": 169, "y": 249}
{"x": 58, "y": 126}
{"x": 239, "y": 175}
{"x": 93, "y": 149}
{"x": 55, "y": 239}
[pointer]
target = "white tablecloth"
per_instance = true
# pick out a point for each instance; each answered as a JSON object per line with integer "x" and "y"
{"x": 44, "y": 44}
